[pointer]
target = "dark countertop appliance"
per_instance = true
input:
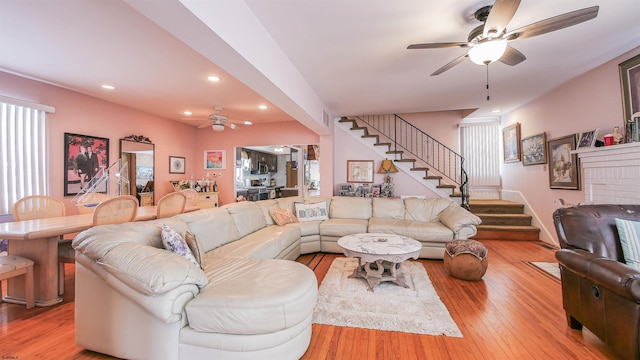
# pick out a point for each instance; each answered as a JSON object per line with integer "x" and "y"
{"x": 263, "y": 168}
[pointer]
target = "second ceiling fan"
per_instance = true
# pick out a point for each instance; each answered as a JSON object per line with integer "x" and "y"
{"x": 488, "y": 42}
{"x": 218, "y": 121}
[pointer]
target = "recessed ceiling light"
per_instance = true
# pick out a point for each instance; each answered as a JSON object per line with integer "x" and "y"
{"x": 108, "y": 87}
{"x": 263, "y": 107}
{"x": 213, "y": 78}
{"x": 496, "y": 110}
{"x": 187, "y": 113}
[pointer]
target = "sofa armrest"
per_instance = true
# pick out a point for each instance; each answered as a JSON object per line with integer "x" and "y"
{"x": 456, "y": 218}
{"x": 150, "y": 270}
{"x": 168, "y": 306}
{"x": 613, "y": 275}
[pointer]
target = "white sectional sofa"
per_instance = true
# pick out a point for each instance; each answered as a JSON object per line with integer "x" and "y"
{"x": 136, "y": 300}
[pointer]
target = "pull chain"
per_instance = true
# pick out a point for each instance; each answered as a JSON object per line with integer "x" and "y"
{"x": 488, "y": 97}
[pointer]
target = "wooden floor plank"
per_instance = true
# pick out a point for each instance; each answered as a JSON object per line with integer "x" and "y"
{"x": 514, "y": 312}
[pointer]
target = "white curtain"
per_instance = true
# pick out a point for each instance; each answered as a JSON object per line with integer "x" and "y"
{"x": 480, "y": 147}
{"x": 23, "y": 155}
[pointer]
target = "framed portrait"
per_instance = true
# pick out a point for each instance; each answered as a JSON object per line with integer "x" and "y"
{"x": 360, "y": 171}
{"x": 176, "y": 165}
{"x": 511, "y": 143}
{"x": 85, "y": 160}
{"x": 564, "y": 172}
{"x": 534, "y": 149}
{"x": 215, "y": 159}
{"x": 587, "y": 139}
{"x": 630, "y": 83}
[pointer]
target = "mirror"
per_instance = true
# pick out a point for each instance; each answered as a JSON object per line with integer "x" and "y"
{"x": 137, "y": 152}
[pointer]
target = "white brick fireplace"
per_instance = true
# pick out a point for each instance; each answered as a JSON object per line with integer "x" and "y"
{"x": 611, "y": 174}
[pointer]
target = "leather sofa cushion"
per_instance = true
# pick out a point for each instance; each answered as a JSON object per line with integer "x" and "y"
{"x": 252, "y": 296}
{"x": 343, "y": 227}
{"x": 213, "y": 227}
{"x": 426, "y": 210}
{"x": 307, "y": 227}
{"x": 287, "y": 203}
{"x": 350, "y": 208}
{"x": 247, "y": 216}
{"x": 266, "y": 243}
{"x": 388, "y": 208}
{"x": 421, "y": 231}
{"x": 266, "y": 206}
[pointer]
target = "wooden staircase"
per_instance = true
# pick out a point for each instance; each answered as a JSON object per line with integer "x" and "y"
{"x": 455, "y": 193}
{"x": 503, "y": 220}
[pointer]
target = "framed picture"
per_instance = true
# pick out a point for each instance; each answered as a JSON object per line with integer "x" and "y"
{"x": 630, "y": 83}
{"x": 360, "y": 171}
{"x": 215, "y": 159}
{"x": 534, "y": 149}
{"x": 511, "y": 142}
{"x": 564, "y": 172}
{"x": 176, "y": 165}
{"x": 587, "y": 139}
{"x": 85, "y": 160}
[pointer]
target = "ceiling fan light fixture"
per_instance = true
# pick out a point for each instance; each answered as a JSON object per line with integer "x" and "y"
{"x": 485, "y": 53}
{"x": 217, "y": 127}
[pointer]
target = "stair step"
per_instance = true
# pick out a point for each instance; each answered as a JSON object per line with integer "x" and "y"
{"x": 382, "y": 144}
{"x": 525, "y": 233}
{"x": 446, "y": 186}
{"x": 419, "y": 169}
{"x": 370, "y": 136}
{"x": 394, "y": 152}
{"x": 496, "y": 207}
{"x": 405, "y": 160}
{"x": 505, "y": 219}
{"x": 358, "y": 128}
{"x": 432, "y": 177}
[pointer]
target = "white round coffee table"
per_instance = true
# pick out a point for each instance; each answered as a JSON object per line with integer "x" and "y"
{"x": 382, "y": 255}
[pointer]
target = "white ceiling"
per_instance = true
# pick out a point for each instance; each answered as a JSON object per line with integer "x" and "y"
{"x": 346, "y": 57}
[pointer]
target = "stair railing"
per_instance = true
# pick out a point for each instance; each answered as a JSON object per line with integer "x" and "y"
{"x": 405, "y": 137}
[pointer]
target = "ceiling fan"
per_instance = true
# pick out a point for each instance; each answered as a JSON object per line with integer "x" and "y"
{"x": 218, "y": 121}
{"x": 488, "y": 42}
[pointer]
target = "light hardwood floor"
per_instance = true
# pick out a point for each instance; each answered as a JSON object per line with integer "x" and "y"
{"x": 515, "y": 312}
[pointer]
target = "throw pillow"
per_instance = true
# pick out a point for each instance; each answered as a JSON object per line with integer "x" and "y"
{"x": 282, "y": 216}
{"x": 173, "y": 242}
{"x": 195, "y": 246}
{"x": 630, "y": 241}
{"x": 311, "y": 212}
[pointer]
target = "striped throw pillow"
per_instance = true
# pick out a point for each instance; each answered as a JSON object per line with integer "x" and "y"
{"x": 630, "y": 240}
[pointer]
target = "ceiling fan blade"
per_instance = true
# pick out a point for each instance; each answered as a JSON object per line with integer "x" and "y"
{"x": 553, "y": 23}
{"x": 438, "y": 45}
{"x": 231, "y": 125}
{"x": 501, "y": 13}
{"x": 450, "y": 65}
{"x": 512, "y": 57}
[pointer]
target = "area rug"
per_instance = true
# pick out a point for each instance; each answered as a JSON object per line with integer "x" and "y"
{"x": 343, "y": 301}
{"x": 550, "y": 269}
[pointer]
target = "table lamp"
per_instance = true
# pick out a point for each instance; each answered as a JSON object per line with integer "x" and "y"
{"x": 387, "y": 167}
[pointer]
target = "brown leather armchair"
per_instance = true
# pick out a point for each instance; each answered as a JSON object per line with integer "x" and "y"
{"x": 598, "y": 290}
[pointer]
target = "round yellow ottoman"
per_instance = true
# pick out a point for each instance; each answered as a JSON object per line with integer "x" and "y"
{"x": 465, "y": 259}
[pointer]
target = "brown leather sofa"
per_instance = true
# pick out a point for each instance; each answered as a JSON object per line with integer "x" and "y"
{"x": 598, "y": 290}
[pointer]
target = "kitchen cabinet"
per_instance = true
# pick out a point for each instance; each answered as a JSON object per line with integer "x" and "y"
{"x": 292, "y": 175}
{"x": 272, "y": 162}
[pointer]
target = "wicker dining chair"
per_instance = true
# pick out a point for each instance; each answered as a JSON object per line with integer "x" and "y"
{"x": 116, "y": 210}
{"x": 40, "y": 207}
{"x": 192, "y": 197}
{"x": 170, "y": 205}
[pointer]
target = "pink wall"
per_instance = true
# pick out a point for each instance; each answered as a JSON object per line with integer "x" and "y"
{"x": 590, "y": 101}
{"x": 81, "y": 114}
